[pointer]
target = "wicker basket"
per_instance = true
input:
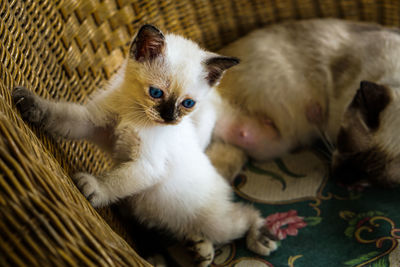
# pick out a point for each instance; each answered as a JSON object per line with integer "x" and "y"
{"x": 67, "y": 49}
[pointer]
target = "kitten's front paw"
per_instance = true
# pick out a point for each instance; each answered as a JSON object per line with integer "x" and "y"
{"x": 26, "y": 102}
{"x": 91, "y": 189}
{"x": 261, "y": 242}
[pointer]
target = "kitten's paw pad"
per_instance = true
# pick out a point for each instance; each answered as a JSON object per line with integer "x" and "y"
{"x": 262, "y": 242}
{"x": 90, "y": 188}
{"x": 26, "y": 103}
{"x": 203, "y": 252}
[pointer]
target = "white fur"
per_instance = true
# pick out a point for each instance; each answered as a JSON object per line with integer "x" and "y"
{"x": 185, "y": 59}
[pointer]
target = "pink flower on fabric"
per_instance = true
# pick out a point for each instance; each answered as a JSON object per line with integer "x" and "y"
{"x": 282, "y": 224}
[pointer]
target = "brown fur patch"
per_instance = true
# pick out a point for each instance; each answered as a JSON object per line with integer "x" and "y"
{"x": 368, "y": 165}
{"x": 216, "y": 67}
{"x": 148, "y": 44}
{"x": 371, "y": 99}
{"x": 344, "y": 141}
{"x": 344, "y": 69}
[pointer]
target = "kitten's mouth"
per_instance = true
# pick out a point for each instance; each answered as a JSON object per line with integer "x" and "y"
{"x": 159, "y": 120}
{"x": 174, "y": 122}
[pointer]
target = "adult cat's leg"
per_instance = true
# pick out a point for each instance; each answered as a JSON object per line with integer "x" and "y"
{"x": 67, "y": 120}
{"x": 226, "y": 158}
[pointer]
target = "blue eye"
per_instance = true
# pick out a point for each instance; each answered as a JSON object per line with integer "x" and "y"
{"x": 188, "y": 103}
{"x": 155, "y": 92}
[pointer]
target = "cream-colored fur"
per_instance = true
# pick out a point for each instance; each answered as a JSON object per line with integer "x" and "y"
{"x": 162, "y": 174}
{"x": 295, "y": 80}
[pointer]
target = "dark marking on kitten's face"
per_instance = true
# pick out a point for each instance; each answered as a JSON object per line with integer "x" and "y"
{"x": 168, "y": 110}
{"x": 216, "y": 67}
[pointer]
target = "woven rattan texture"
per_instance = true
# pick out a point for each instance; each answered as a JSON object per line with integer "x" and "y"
{"x": 67, "y": 49}
{"x": 38, "y": 227}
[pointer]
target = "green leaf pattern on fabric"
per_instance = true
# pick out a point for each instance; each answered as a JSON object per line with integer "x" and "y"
{"x": 312, "y": 221}
{"x": 361, "y": 259}
{"x": 255, "y": 169}
{"x": 282, "y": 166}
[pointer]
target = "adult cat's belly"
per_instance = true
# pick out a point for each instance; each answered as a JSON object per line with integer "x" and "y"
{"x": 256, "y": 136}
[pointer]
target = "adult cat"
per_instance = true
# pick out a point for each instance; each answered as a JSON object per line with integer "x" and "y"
{"x": 293, "y": 84}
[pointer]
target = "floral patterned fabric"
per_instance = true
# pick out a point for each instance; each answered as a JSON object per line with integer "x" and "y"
{"x": 318, "y": 222}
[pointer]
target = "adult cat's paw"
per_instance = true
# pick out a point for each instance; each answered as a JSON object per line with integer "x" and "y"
{"x": 27, "y": 103}
{"x": 91, "y": 189}
{"x": 261, "y": 241}
{"x": 227, "y": 159}
{"x": 202, "y": 250}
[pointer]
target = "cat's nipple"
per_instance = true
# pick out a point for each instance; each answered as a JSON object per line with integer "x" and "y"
{"x": 243, "y": 133}
{"x": 314, "y": 113}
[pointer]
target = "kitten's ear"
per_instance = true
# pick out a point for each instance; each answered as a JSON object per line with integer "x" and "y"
{"x": 148, "y": 44}
{"x": 216, "y": 66}
{"x": 371, "y": 99}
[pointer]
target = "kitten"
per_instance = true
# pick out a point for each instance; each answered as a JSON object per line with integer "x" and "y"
{"x": 293, "y": 85}
{"x": 156, "y": 119}
{"x": 368, "y": 145}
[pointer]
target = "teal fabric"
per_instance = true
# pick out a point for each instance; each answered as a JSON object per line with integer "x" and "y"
{"x": 343, "y": 228}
